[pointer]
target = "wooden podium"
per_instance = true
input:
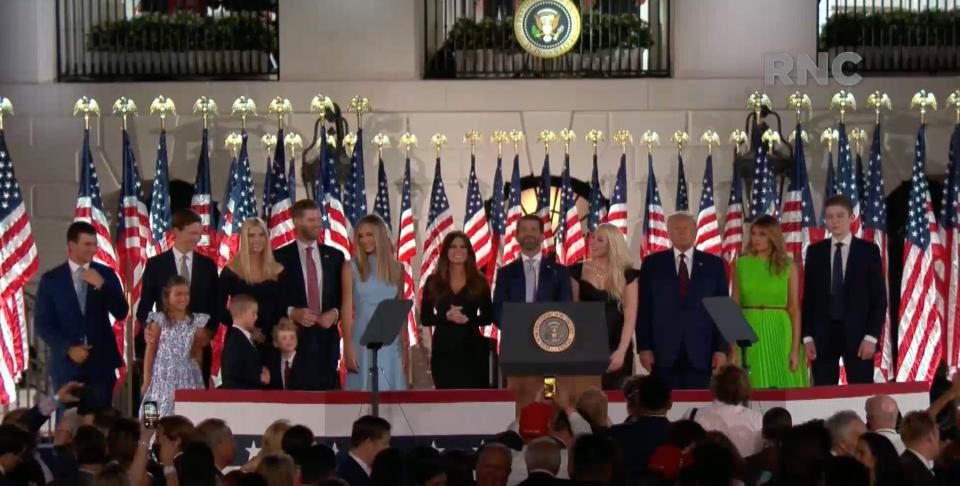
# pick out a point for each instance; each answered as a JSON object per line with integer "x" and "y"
{"x": 563, "y": 339}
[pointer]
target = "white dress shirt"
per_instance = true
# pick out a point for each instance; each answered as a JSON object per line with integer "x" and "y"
{"x": 366, "y": 467}
{"x": 894, "y": 438}
{"x": 688, "y": 257}
{"x": 741, "y": 424}
{"x": 178, "y": 257}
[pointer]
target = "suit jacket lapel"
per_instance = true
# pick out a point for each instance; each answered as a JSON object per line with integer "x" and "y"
{"x": 545, "y": 270}
{"x": 852, "y": 259}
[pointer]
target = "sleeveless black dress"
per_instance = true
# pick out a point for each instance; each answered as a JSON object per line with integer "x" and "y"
{"x": 614, "y": 317}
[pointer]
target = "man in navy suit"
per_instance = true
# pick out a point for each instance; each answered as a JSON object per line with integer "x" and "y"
{"x": 313, "y": 286}
{"x": 370, "y": 436}
{"x": 181, "y": 259}
{"x": 677, "y": 339}
{"x": 530, "y": 278}
{"x": 844, "y": 300}
{"x": 74, "y": 303}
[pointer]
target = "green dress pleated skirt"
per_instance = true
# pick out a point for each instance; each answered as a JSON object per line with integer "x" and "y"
{"x": 763, "y": 298}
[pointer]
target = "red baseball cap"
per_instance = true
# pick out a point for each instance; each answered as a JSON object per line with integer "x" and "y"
{"x": 535, "y": 420}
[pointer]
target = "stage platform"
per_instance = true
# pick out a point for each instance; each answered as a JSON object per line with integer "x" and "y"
{"x": 465, "y": 418}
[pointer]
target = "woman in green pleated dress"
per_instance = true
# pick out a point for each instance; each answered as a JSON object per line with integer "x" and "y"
{"x": 767, "y": 287}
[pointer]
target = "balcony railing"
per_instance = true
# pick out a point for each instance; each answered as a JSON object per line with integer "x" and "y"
{"x": 475, "y": 39}
{"x": 166, "y": 40}
{"x": 893, "y": 36}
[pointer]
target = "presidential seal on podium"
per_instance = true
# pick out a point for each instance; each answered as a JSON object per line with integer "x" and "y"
{"x": 547, "y": 28}
{"x": 554, "y": 332}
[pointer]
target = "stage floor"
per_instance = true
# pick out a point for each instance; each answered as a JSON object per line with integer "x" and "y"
{"x": 465, "y": 418}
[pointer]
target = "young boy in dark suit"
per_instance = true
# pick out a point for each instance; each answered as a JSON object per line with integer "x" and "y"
{"x": 242, "y": 368}
{"x": 288, "y": 369}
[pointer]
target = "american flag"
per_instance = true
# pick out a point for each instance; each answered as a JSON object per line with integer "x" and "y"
{"x": 133, "y": 233}
{"x": 733, "y": 222}
{"x": 763, "y": 196}
{"x": 241, "y": 204}
{"x": 292, "y": 178}
{"x": 798, "y": 213}
{"x": 202, "y": 200}
{"x": 511, "y": 246}
{"x": 355, "y": 189}
{"x": 336, "y": 235}
{"x": 280, "y": 223}
{"x": 847, "y": 179}
{"x": 439, "y": 223}
{"x": 222, "y": 219}
{"x": 475, "y": 223}
{"x": 90, "y": 209}
{"x": 920, "y": 330}
{"x": 381, "y": 205}
{"x": 544, "y": 209}
{"x": 830, "y": 188}
{"x": 498, "y": 228}
{"x": 597, "y": 210}
{"x": 683, "y": 201}
{"x": 571, "y": 247}
{"x": 161, "y": 232}
{"x": 617, "y": 214}
{"x": 861, "y": 180}
{"x": 18, "y": 264}
{"x": 950, "y": 228}
{"x": 268, "y": 175}
{"x": 654, "y": 222}
{"x": 407, "y": 250}
{"x": 708, "y": 228}
{"x": 319, "y": 173}
{"x": 875, "y": 230}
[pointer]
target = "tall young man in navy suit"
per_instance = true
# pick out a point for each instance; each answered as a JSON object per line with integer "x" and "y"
{"x": 75, "y": 301}
{"x": 844, "y": 300}
{"x": 315, "y": 280}
{"x": 370, "y": 436}
{"x": 677, "y": 339}
{"x": 531, "y": 278}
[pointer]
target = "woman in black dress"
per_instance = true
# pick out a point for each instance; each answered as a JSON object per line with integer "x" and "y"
{"x": 456, "y": 302}
{"x": 254, "y": 272}
{"x": 609, "y": 277}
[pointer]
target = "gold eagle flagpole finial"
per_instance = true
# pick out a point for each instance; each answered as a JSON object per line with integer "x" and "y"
{"x": 830, "y": 136}
{"x": 738, "y": 138}
{"x": 293, "y": 142}
{"x": 545, "y": 137}
{"x": 772, "y": 138}
{"x": 595, "y": 137}
{"x": 163, "y": 107}
{"x": 244, "y": 107}
{"x": 499, "y": 137}
{"x": 408, "y": 140}
{"x": 680, "y": 139}
{"x": 516, "y": 136}
{"x": 710, "y": 138}
{"x": 843, "y": 101}
{"x": 206, "y": 107}
{"x": 567, "y": 136}
{"x": 756, "y": 101}
{"x": 125, "y": 107}
{"x": 438, "y": 140}
{"x": 359, "y": 105}
{"x": 6, "y": 108}
{"x": 952, "y": 100}
{"x": 349, "y": 142}
{"x": 269, "y": 142}
{"x": 380, "y": 140}
{"x": 623, "y": 137}
{"x": 233, "y": 142}
{"x": 878, "y": 101}
{"x": 858, "y": 135}
{"x": 799, "y": 102}
{"x": 925, "y": 101}
{"x": 472, "y": 137}
{"x": 650, "y": 138}
{"x": 792, "y": 138}
{"x": 280, "y": 107}
{"x": 86, "y": 107}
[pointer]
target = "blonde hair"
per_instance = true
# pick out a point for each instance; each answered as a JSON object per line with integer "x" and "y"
{"x": 778, "y": 259}
{"x": 618, "y": 256}
{"x": 273, "y": 436}
{"x": 242, "y": 262}
{"x": 388, "y": 268}
{"x": 241, "y": 303}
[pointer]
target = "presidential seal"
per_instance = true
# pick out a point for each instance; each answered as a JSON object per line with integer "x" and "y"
{"x": 547, "y": 28}
{"x": 553, "y": 332}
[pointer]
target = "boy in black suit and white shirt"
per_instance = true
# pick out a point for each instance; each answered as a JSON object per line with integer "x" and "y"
{"x": 242, "y": 369}
{"x": 288, "y": 370}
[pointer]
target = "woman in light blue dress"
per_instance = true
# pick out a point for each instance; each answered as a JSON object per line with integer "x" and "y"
{"x": 377, "y": 276}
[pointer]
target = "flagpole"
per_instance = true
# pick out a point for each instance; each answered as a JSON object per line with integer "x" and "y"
{"x": 125, "y": 107}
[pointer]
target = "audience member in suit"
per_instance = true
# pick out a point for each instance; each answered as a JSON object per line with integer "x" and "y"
{"x": 369, "y": 436}
{"x": 677, "y": 339}
{"x": 288, "y": 369}
{"x": 219, "y": 438}
{"x": 922, "y": 438}
{"x": 254, "y": 272}
{"x": 844, "y": 300}
{"x": 199, "y": 271}
{"x": 648, "y": 401}
{"x": 882, "y": 415}
{"x": 880, "y": 457}
{"x": 90, "y": 451}
{"x": 542, "y": 456}
{"x": 314, "y": 282}
{"x": 763, "y": 466}
{"x": 75, "y": 302}
{"x": 531, "y": 278}
{"x": 494, "y": 461}
{"x": 241, "y": 366}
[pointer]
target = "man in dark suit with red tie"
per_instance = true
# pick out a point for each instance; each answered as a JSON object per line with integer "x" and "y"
{"x": 844, "y": 300}
{"x": 314, "y": 281}
{"x": 676, "y": 338}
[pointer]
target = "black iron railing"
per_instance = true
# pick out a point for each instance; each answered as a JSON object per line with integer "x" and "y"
{"x": 154, "y": 40}
{"x": 893, "y": 36}
{"x": 619, "y": 38}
